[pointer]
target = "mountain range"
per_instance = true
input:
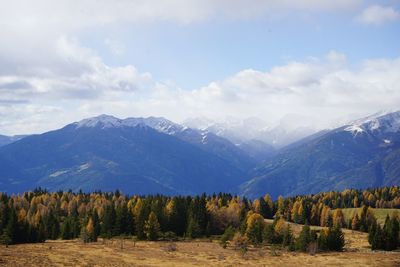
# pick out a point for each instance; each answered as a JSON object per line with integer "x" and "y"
{"x": 290, "y": 128}
{"x": 155, "y": 155}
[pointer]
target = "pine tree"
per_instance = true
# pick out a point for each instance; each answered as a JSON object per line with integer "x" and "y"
{"x": 355, "y": 223}
{"x": 5, "y": 238}
{"x": 178, "y": 216}
{"x": 193, "y": 228}
{"x": 269, "y": 234}
{"x": 255, "y": 226}
{"x": 152, "y": 227}
{"x": 335, "y": 238}
{"x": 66, "y": 230}
{"x": 371, "y": 233}
{"x": 391, "y": 232}
{"x": 304, "y": 238}
{"x": 12, "y": 226}
{"x": 287, "y": 236}
{"x": 84, "y": 235}
{"x": 378, "y": 240}
{"x": 108, "y": 226}
{"x": 202, "y": 214}
{"x": 338, "y": 218}
{"x": 96, "y": 224}
{"x": 363, "y": 219}
{"x": 92, "y": 237}
{"x": 228, "y": 235}
{"x": 140, "y": 220}
{"x": 323, "y": 240}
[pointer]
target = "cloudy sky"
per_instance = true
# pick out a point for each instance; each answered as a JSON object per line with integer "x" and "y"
{"x": 65, "y": 60}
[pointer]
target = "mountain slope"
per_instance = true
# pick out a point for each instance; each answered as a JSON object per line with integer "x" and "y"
{"x": 362, "y": 154}
{"x": 5, "y": 140}
{"x": 108, "y": 154}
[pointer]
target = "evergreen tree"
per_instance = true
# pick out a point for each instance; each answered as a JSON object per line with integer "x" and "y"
{"x": 41, "y": 233}
{"x": 178, "y": 216}
{"x": 193, "y": 228}
{"x": 228, "y": 235}
{"x": 304, "y": 238}
{"x": 66, "y": 229}
{"x": 378, "y": 240}
{"x": 335, "y": 239}
{"x": 255, "y": 226}
{"x": 371, "y": 233}
{"x": 96, "y": 224}
{"x": 140, "y": 221}
{"x": 152, "y": 227}
{"x": 5, "y": 238}
{"x": 90, "y": 231}
{"x": 287, "y": 236}
{"x": 108, "y": 225}
{"x": 323, "y": 240}
{"x": 269, "y": 234}
{"x": 12, "y": 226}
{"x": 355, "y": 222}
{"x": 391, "y": 232}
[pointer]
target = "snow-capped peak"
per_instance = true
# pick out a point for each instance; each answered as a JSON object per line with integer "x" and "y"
{"x": 383, "y": 122}
{"x": 106, "y": 121}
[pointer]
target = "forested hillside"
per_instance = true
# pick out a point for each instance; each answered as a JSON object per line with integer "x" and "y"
{"x": 40, "y": 215}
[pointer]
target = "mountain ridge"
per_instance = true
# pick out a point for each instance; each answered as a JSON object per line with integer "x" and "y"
{"x": 334, "y": 160}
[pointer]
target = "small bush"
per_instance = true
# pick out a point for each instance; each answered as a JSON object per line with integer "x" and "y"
{"x": 241, "y": 243}
{"x": 170, "y": 236}
{"x": 227, "y": 236}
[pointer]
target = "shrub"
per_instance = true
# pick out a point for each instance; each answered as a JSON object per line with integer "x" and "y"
{"x": 241, "y": 243}
{"x": 228, "y": 235}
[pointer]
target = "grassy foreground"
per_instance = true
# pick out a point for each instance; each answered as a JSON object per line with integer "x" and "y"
{"x": 201, "y": 252}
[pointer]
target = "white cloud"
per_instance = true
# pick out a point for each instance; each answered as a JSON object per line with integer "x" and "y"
{"x": 69, "y": 71}
{"x": 377, "y": 15}
{"x": 48, "y": 78}
{"x": 319, "y": 88}
{"x": 324, "y": 89}
{"x": 74, "y": 14}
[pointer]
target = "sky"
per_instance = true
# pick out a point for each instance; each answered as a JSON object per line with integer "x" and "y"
{"x": 321, "y": 60}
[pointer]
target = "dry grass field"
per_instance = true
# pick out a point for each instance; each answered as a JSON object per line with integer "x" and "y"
{"x": 191, "y": 253}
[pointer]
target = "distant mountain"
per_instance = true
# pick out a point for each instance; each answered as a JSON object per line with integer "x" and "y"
{"x": 137, "y": 155}
{"x": 5, "y": 140}
{"x": 364, "y": 153}
{"x": 277, "y": 135}
{"x": 258, "y": 150}
{"x": 203, "y": 139}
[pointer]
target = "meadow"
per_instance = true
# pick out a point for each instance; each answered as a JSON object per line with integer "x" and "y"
{"x": 197, "y": 252}
{"x": 380, "y": 214}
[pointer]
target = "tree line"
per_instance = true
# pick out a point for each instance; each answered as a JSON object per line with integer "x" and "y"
{"x": 39, "y": 215}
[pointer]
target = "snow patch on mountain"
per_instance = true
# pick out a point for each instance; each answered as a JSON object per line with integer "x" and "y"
{"x": 379, "y": 122}
{"x": 107, "y": 121}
